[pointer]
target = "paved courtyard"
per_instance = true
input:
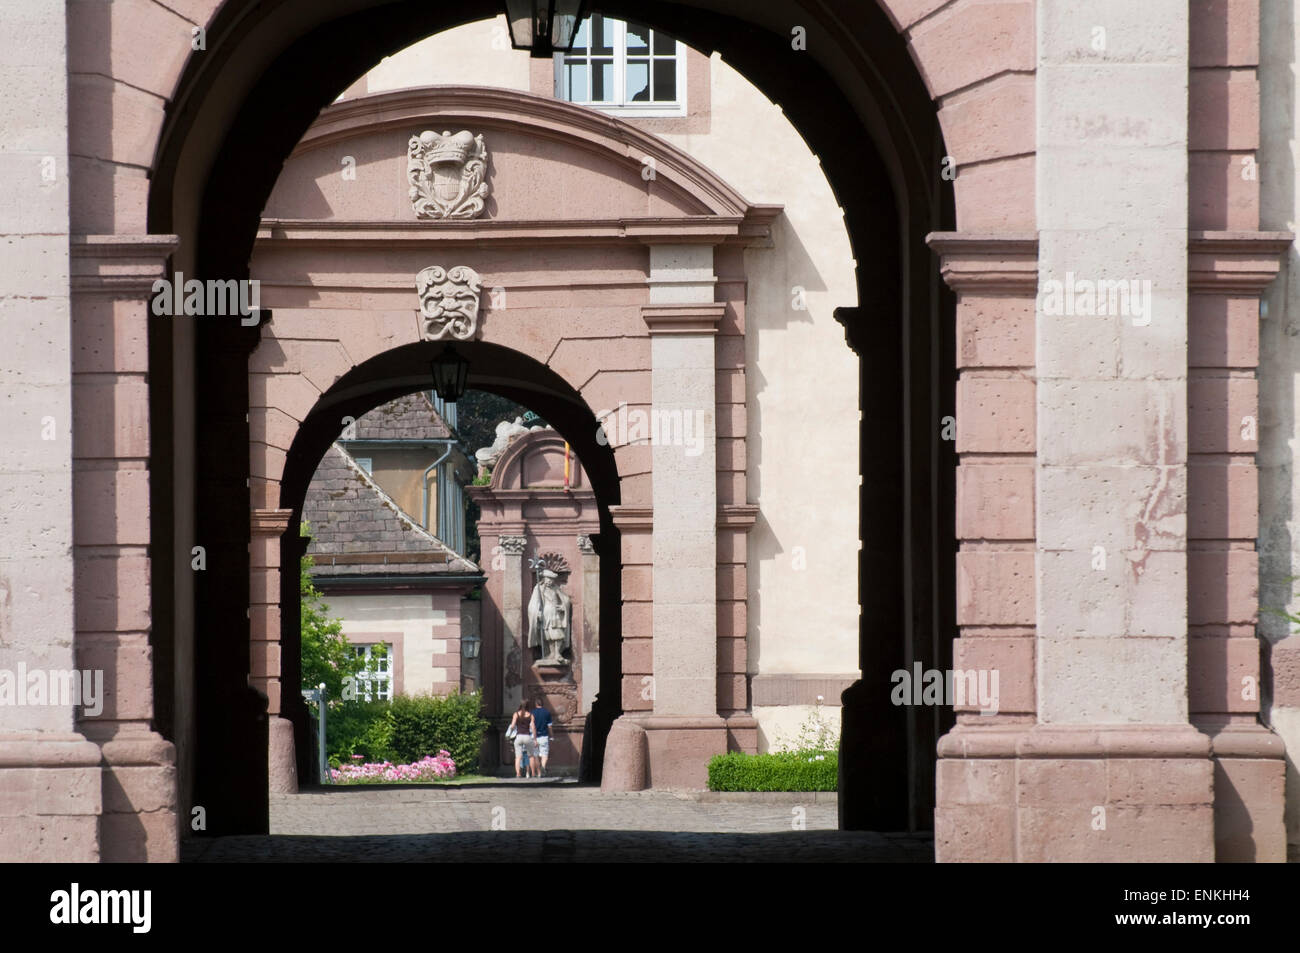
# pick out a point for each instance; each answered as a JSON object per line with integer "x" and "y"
{"x": 553, "y": 821}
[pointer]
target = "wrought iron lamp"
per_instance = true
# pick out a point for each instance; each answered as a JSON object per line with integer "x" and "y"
{"x": 450, "y": 372}
{"x": 544, "y": 27}
{"x": 469, "y": 645}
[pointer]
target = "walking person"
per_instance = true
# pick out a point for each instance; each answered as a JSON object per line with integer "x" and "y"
{"x": 525, "y": 735}
{"x": 542, "y": 720}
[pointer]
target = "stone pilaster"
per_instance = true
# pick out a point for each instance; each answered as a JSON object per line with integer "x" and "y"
{"x": 512, "y": 622}
{"x": 266, "y": 528}
{"x": 589, "y": 644}
{"x": 112, "y": 285}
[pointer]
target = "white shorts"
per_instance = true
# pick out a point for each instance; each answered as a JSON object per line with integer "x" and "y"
{"x": 524, "y": 743}
{"x": 544, "y": 746}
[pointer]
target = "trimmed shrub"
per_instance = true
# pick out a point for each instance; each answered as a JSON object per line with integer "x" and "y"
{"x": 424, "y": 725}
{"x": 359, "y": 727}
{"x": 790, "y": 771}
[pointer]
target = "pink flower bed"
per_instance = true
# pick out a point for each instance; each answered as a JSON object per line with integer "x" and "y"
{"x": 438, "y": 767}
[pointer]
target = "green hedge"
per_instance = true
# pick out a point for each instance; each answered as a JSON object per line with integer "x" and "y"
{"x": 407, "y": 729}
{"x": 424, "y": 724}
{"x": 793, "y": 771}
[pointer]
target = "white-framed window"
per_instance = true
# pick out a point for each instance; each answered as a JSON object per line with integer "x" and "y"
{"x": 624, "y": 68}
{"x": 376, "y": 679}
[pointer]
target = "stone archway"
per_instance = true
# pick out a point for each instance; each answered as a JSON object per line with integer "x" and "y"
{"x": 223, "y": 136}
{"x": 628, "y": 288}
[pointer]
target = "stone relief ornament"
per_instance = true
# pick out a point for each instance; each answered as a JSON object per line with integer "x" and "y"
{"x": 512, "y": 545}
{"x": 448, "y": 174}
{"x": 448, "y": 302}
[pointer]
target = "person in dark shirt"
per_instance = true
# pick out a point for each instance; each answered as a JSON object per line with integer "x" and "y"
{"x": 542, "y": 720}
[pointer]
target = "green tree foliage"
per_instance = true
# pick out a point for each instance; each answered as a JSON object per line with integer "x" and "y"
{"x": 477, "y": 416}
{"x": 327, "y": 655}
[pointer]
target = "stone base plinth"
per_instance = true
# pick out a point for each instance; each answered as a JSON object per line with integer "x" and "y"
{"x": 742, "y": 733}
{"x": 282, "y": 763}
{"x": 1249, "y": 794}
{"x": 1075, "y": 793}
{"x": 664, "y": 752}
{"x": 139, "y": 822}
{"x": 50, "y": 798}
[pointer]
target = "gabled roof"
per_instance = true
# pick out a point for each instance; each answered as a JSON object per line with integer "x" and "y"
{"x": 357, "y": 529}
{"x": 407, "y": 418}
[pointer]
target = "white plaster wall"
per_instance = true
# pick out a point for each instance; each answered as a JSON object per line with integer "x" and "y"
{"x": 1279, "y": 367}
{"x": 476, "y": 54}
{"x": 778, "y": 725}
{"x": 802, "y": 388}
{"x": 413, "y": 615}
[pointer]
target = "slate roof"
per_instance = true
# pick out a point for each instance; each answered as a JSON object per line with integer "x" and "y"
{"x": 357, "y": 529}
{"x": 407, "y": 418}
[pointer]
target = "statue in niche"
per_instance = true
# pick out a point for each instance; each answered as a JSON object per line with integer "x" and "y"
{"x": 550, "y": 613}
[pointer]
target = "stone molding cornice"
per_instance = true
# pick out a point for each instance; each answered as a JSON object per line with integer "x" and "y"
{"x": 119, "y": 264}
{"x": 270, "y": 522}
{"x": 487, "y": 108}
{"x": 730, "y": 516}
{"x": 632, "y": 518}
{"x": 1235, "y": 262}
{"x": 988, "y": 263}
{"x": 1075, "y": 741}
{"x": 647, "y": 230}
{"x": 700, "y": 318}
{"x": 737, "y": 516}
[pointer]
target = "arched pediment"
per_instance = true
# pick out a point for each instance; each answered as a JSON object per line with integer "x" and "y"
{"x": 551, "y": 165}
{"x": 536, "y": 461}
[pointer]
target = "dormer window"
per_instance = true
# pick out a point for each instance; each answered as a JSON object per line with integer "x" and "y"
{"x": 627, "y": 69}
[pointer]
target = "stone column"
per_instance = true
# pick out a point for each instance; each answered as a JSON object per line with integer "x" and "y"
{"x": 513, "y": 623}
{"x": 112, "y": 281}
{"x": 1114, "y": 770}
{"x": 267, "y": 527}
{"x": 588, "y": 648}
{"x": 49, "y": 772}
{"x": 682, "y": 318}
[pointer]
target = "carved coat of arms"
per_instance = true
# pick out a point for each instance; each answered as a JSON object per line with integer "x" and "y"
{"x": 448, "y": 302}
{"x": 448, "y": 174}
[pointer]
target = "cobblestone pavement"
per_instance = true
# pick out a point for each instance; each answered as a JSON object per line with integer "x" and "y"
{"x": 553, "y": 821}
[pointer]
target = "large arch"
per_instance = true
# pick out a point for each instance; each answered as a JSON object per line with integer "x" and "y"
{"x": 862, "y": 87}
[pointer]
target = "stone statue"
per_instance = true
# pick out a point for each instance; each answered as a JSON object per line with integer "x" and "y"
{"x": 550, "y": 619}
{"x": 506, "y": 432}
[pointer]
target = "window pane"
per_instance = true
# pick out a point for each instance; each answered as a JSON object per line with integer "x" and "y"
{"x": 603, "y": 30}
{"x": 576, "y": 78}
{"x": 584, "y": 33}
{"x": 665, "y": 81}
{"x": 664, "y": 45}
{"x": 638, "y": 81}
{"x": 602, "y": 81}
{"x": 638, "y": 38}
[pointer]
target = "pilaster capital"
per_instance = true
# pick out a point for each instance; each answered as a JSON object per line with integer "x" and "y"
{"x": 988, "y": 262}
